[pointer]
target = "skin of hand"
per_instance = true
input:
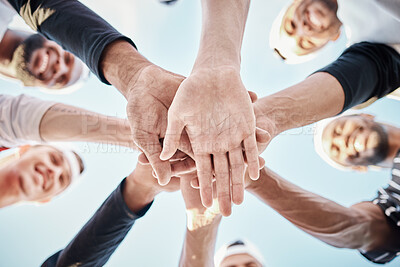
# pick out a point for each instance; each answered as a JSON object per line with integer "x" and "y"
{"x": 141, "y": 187}
{"x": 213, "y": 107}
{"x": 149, "y": 91}
{"x": 198, "y": 215}
{"x": 218, "y": 119}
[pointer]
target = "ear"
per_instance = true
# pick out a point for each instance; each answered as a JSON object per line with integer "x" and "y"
{"x": 360, "y": 168}
{"x": 334, "y": 38}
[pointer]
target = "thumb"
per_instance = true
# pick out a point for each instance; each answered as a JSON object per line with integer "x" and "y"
{"x": 172, "y": 138}
{"x": 262, "y": 136}
{"x": 253, "y": 96}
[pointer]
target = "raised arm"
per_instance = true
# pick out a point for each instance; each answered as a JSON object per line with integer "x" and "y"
{"x": 201, "y": 232}
{"x": 363, "y": 226}
{"x": 363, "y": 71}
{"x": 213, "y": 106}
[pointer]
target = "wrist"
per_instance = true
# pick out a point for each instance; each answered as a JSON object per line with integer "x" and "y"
{"x": 137, "y": 196}
{"x": 121, "y": 65}
{"x": 204, "y": 217}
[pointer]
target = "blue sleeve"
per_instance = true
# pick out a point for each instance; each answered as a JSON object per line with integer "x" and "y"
{"x": 72, "y": 25}
{"x": 366, "y": 70}
{"x": 101, "y": 235}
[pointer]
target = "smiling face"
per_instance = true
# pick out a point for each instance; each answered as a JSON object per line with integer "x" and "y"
{"x": 240, "y": 260}
{"x": 311, "y": 24}
{"x": 40, "y": 174}
{"x": 355, "y": 140}
{"x": 44, "y": 63}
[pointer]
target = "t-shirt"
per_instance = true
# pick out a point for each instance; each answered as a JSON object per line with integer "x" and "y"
{"x": 20, "y": 118}
{"x": 101, "y": 235}
{"x": 369, "y": 21}
{"x": 366, "y": 70}
{"x": 72, "y": 25}
{"x": 388, "y": 200}
{"x": 6, "y": 15}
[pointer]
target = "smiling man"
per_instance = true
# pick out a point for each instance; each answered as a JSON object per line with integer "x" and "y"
{"x": 357, "y": 141}
{"x": 37, "y": 173}
{"x": 308, "y": 25}
{"x": 34, "y": 60}
{"x": 38, "y": 62}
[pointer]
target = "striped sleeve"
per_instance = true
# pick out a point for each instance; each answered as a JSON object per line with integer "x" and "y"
{"x": 388, "y": 200}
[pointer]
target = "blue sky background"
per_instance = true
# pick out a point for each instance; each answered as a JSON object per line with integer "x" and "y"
{"x": 168, "y": 36}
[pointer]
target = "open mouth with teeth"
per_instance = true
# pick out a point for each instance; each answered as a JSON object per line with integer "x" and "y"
{"x": 44, "y": 64}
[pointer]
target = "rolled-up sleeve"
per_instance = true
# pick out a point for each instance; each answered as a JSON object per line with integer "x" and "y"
{"x": 20, "y": 118}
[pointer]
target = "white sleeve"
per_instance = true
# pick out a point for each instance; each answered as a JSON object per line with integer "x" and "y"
{"x": 20, "y": 118}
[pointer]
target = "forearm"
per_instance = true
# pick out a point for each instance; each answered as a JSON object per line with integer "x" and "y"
{"x": 322, "y": 218}
{"x": 317, "y": 97}
{"x": 68, "y": 123}
{"x": 199, "y": 245}
{"x": 122, "y": 65}
{"x": 222, "y": 33}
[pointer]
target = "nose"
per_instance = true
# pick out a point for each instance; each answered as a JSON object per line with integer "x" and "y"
{"x": 54, "y": 173}
{"x": 60, "y": 68}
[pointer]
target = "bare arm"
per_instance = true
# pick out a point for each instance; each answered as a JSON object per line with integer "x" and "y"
{"x": 201, "y": 232}
{"x": 222, "y": 33}
{"x": 362, "y": 226}
{"x": 317, "y": 97}
{"x": 68, "y": 123}
{"x": 364, "y": 71}
{"x": 213, "y": 107}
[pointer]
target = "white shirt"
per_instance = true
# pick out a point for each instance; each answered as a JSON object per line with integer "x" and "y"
{"x": 20, "y": 118}
{"x": 371, "y": 21}
{"x": 7, "y": 13}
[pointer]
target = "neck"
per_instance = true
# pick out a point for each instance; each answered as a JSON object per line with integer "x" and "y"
{"x": 394, "y": 145}
{"x": 9, "y": 193}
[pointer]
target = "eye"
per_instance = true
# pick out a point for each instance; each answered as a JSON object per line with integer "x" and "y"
{"x": 53, "y": 159}
{"x": 306, "y": 43}
{"x": 338, "y": 130}
{"x": 62, "y": 179}
{"x": 62, "y": 79}
{"x": 290, "y": 27}
{"x": 335, "y": 151}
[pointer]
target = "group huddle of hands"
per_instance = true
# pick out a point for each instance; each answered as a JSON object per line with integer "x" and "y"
{"x": 201, "y": 128}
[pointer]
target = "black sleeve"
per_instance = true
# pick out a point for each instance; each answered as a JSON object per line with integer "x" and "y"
{"x": 72, "y": 25}
{"x": 101, "y": 235}
{"x": 366, "y": 70}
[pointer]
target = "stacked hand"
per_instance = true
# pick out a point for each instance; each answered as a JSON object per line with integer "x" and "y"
{"x": 215, "y": 109}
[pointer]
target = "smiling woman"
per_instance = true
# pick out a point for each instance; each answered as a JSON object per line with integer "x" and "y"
{"x": 37, "y": 174}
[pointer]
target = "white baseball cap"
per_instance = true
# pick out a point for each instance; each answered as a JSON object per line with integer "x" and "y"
{"x": 240, "y": 246}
